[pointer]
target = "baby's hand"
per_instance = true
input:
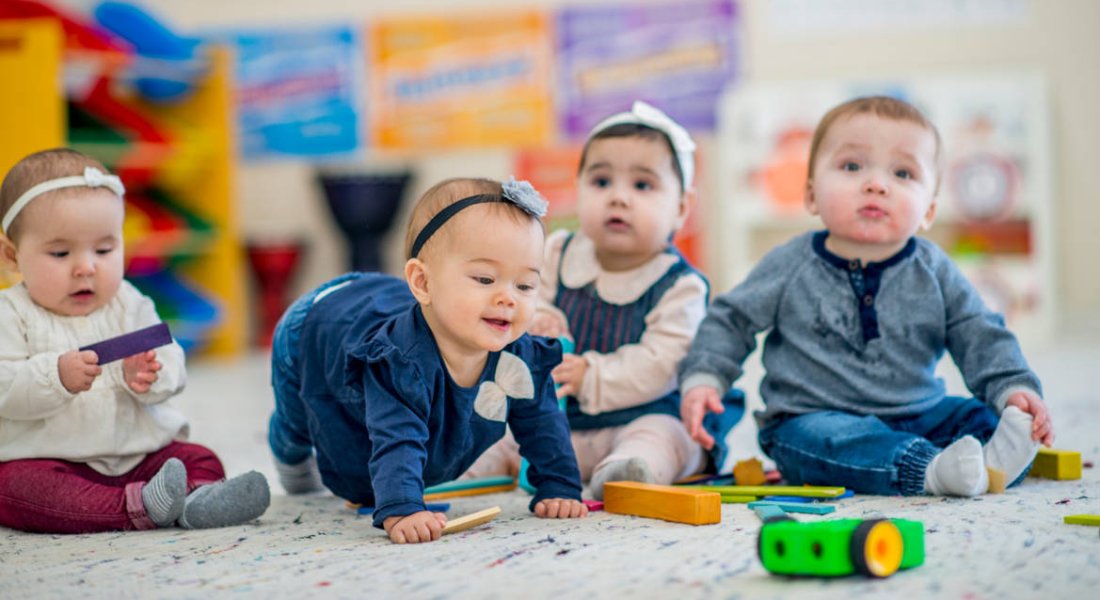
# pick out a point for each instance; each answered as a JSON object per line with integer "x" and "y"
{"x": 569, "y": 375}
{"x": 694, "y": 406}
{"x": 1042, "y": 430}
{"x": 140, "y": 370}
{"x": 423, "y": 526}
{"x": 560, "y": 508}
{"x": 78, "y": 370}
{"x": 549, "y": 324}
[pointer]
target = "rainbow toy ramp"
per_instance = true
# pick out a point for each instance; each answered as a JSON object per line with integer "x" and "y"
{"x": 156, "y": 108}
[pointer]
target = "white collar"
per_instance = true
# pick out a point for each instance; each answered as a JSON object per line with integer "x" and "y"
{"x": 579, "y": 267}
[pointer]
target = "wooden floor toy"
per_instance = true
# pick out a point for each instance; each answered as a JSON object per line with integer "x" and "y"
{"x": 795, "y": 507}
{"x": 1056, "y": 464}
{"x": 677, "y": 504}
{"x": 460, "y": 488}
{"x": 1083, "y": 520}
{"x": 471, "y": 520}
{"x": 749, "y": 472}
{"x": 811, "y": 491}
{"x": 997, "y": 481}
{"x": 874, "y": 548}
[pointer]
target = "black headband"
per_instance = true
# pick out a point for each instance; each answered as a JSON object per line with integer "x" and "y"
{"x": 445, "y": 215}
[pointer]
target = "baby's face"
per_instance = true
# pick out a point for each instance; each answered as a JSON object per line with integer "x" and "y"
{"x": 874, "y": 185}
{"x": 484, "y": 280}
{"x": 70, "y": 250}
{"x": 629, "y": 200}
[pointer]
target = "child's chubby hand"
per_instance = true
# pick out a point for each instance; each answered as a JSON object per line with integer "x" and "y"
{"x": 560, "y": 508}
{"x": 1042, "y": 430}
{"x": 140, "y": 370}
{"x": 569, "y": 375}
{"x": 78, "y": 370}
{"x": 423, "y": 526}
{"x": 698, "y": 401}
{"x": 549, "y": 324}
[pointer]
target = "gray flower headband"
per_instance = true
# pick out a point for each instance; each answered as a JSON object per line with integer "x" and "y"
{"x": 520, "y": 193}
{"x": 92, "y": 178}
{"x": 652, "y": 117}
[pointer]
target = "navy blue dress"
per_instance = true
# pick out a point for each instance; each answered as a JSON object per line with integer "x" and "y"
{"x": 387, "y": 419}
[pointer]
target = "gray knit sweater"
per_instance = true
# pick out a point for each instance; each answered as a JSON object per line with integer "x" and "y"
{"x": 856, "y": 338}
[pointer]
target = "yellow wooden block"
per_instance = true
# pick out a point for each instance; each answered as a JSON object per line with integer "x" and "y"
{"x": 749, "y": 472}
{"x": 1056, "y": 464}
{"x": 471, "y": 520}
{"x": 678, "y": 504}
{"x": 997, "y": 481}
{"x": 1083, "y": 519}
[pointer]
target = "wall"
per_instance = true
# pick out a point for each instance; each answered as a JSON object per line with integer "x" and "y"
{"x": 1060, "y": 38}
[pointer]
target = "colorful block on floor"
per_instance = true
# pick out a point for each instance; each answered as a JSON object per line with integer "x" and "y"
{"x": 677, "y": 504}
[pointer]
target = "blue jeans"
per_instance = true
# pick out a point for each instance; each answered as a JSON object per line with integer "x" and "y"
{"x": 288, "y": 430}
{"x": 870, "y": 454}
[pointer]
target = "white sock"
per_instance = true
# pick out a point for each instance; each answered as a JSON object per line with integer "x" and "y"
{"x": 958, "y": 471}
{"x": 302, "y": 478}
{"x": 1011, "y": 448}
{"x": 630, "y": 469}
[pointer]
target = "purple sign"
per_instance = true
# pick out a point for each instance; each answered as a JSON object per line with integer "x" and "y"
{"x": 677, "y": 56}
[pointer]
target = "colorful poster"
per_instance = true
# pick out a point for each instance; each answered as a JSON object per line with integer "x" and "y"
{"x": 479, "y": 80}
{"x": 678, "y": 56}
{"x": 298, "y": 91}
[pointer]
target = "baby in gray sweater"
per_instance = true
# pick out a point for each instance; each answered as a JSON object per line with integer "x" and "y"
{"x": 858, "y": 316}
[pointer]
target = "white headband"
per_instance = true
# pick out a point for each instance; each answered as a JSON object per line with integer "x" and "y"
{"x": 650, "y": 116}
{"x": 92, "y": 177}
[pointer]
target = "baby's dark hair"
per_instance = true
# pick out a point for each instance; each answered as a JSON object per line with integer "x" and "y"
{"x": 36, "y": 168}
{"x": 634, "y": 130}
{"x": 879, "y": 106}
{"x": 446, "y": 193}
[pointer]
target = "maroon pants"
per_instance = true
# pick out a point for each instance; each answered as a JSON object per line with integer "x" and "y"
{"x": 58, "y": 496}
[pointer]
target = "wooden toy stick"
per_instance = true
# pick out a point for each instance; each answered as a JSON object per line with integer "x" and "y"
{"x": 1082, "y": 519}
{"x": 471, "y": 520}
{"x": 813, "y": 491}
{"x": 129, "y": 344}
{"x": 470, "y": 492}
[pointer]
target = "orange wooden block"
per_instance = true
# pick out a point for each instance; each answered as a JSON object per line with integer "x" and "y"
{"x": 677, "y": 504}
{"x": 749, "y": 472}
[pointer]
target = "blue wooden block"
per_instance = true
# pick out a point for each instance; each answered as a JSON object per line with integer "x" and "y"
{"x": 810, "y": 509}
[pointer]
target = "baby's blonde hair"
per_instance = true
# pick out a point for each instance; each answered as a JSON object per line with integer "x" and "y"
{"x": 879, "y": 106}
{"x": 36, "y": 168}
{"x": 446, "y": 193}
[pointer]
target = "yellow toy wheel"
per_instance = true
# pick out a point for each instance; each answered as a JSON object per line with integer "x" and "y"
{"x": 876, "y": 548}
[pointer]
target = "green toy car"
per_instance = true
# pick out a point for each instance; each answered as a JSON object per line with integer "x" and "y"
{"x": 875, "y": 548}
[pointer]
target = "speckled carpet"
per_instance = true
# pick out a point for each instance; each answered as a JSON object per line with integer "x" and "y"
{"x": 1005, "y": 546}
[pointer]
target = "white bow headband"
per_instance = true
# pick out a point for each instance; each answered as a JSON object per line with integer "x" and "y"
{"x": 650, "y": 116}
{"x": 92, "y": 177}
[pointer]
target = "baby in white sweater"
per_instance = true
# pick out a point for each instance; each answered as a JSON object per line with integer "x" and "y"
{"x": 86, "y": 447}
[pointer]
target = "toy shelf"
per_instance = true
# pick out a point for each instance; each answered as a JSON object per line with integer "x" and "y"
{"x": 177, "y": 160}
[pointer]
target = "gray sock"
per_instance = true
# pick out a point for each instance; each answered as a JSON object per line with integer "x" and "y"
{"x": 301, "y": 478}
{"x": 230, "y": 502}
{"x": 163, "y": 495}
{"x": 630, "y": 469}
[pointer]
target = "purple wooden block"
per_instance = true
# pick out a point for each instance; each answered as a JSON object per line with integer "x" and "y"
{"x": 129, "y": 344}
